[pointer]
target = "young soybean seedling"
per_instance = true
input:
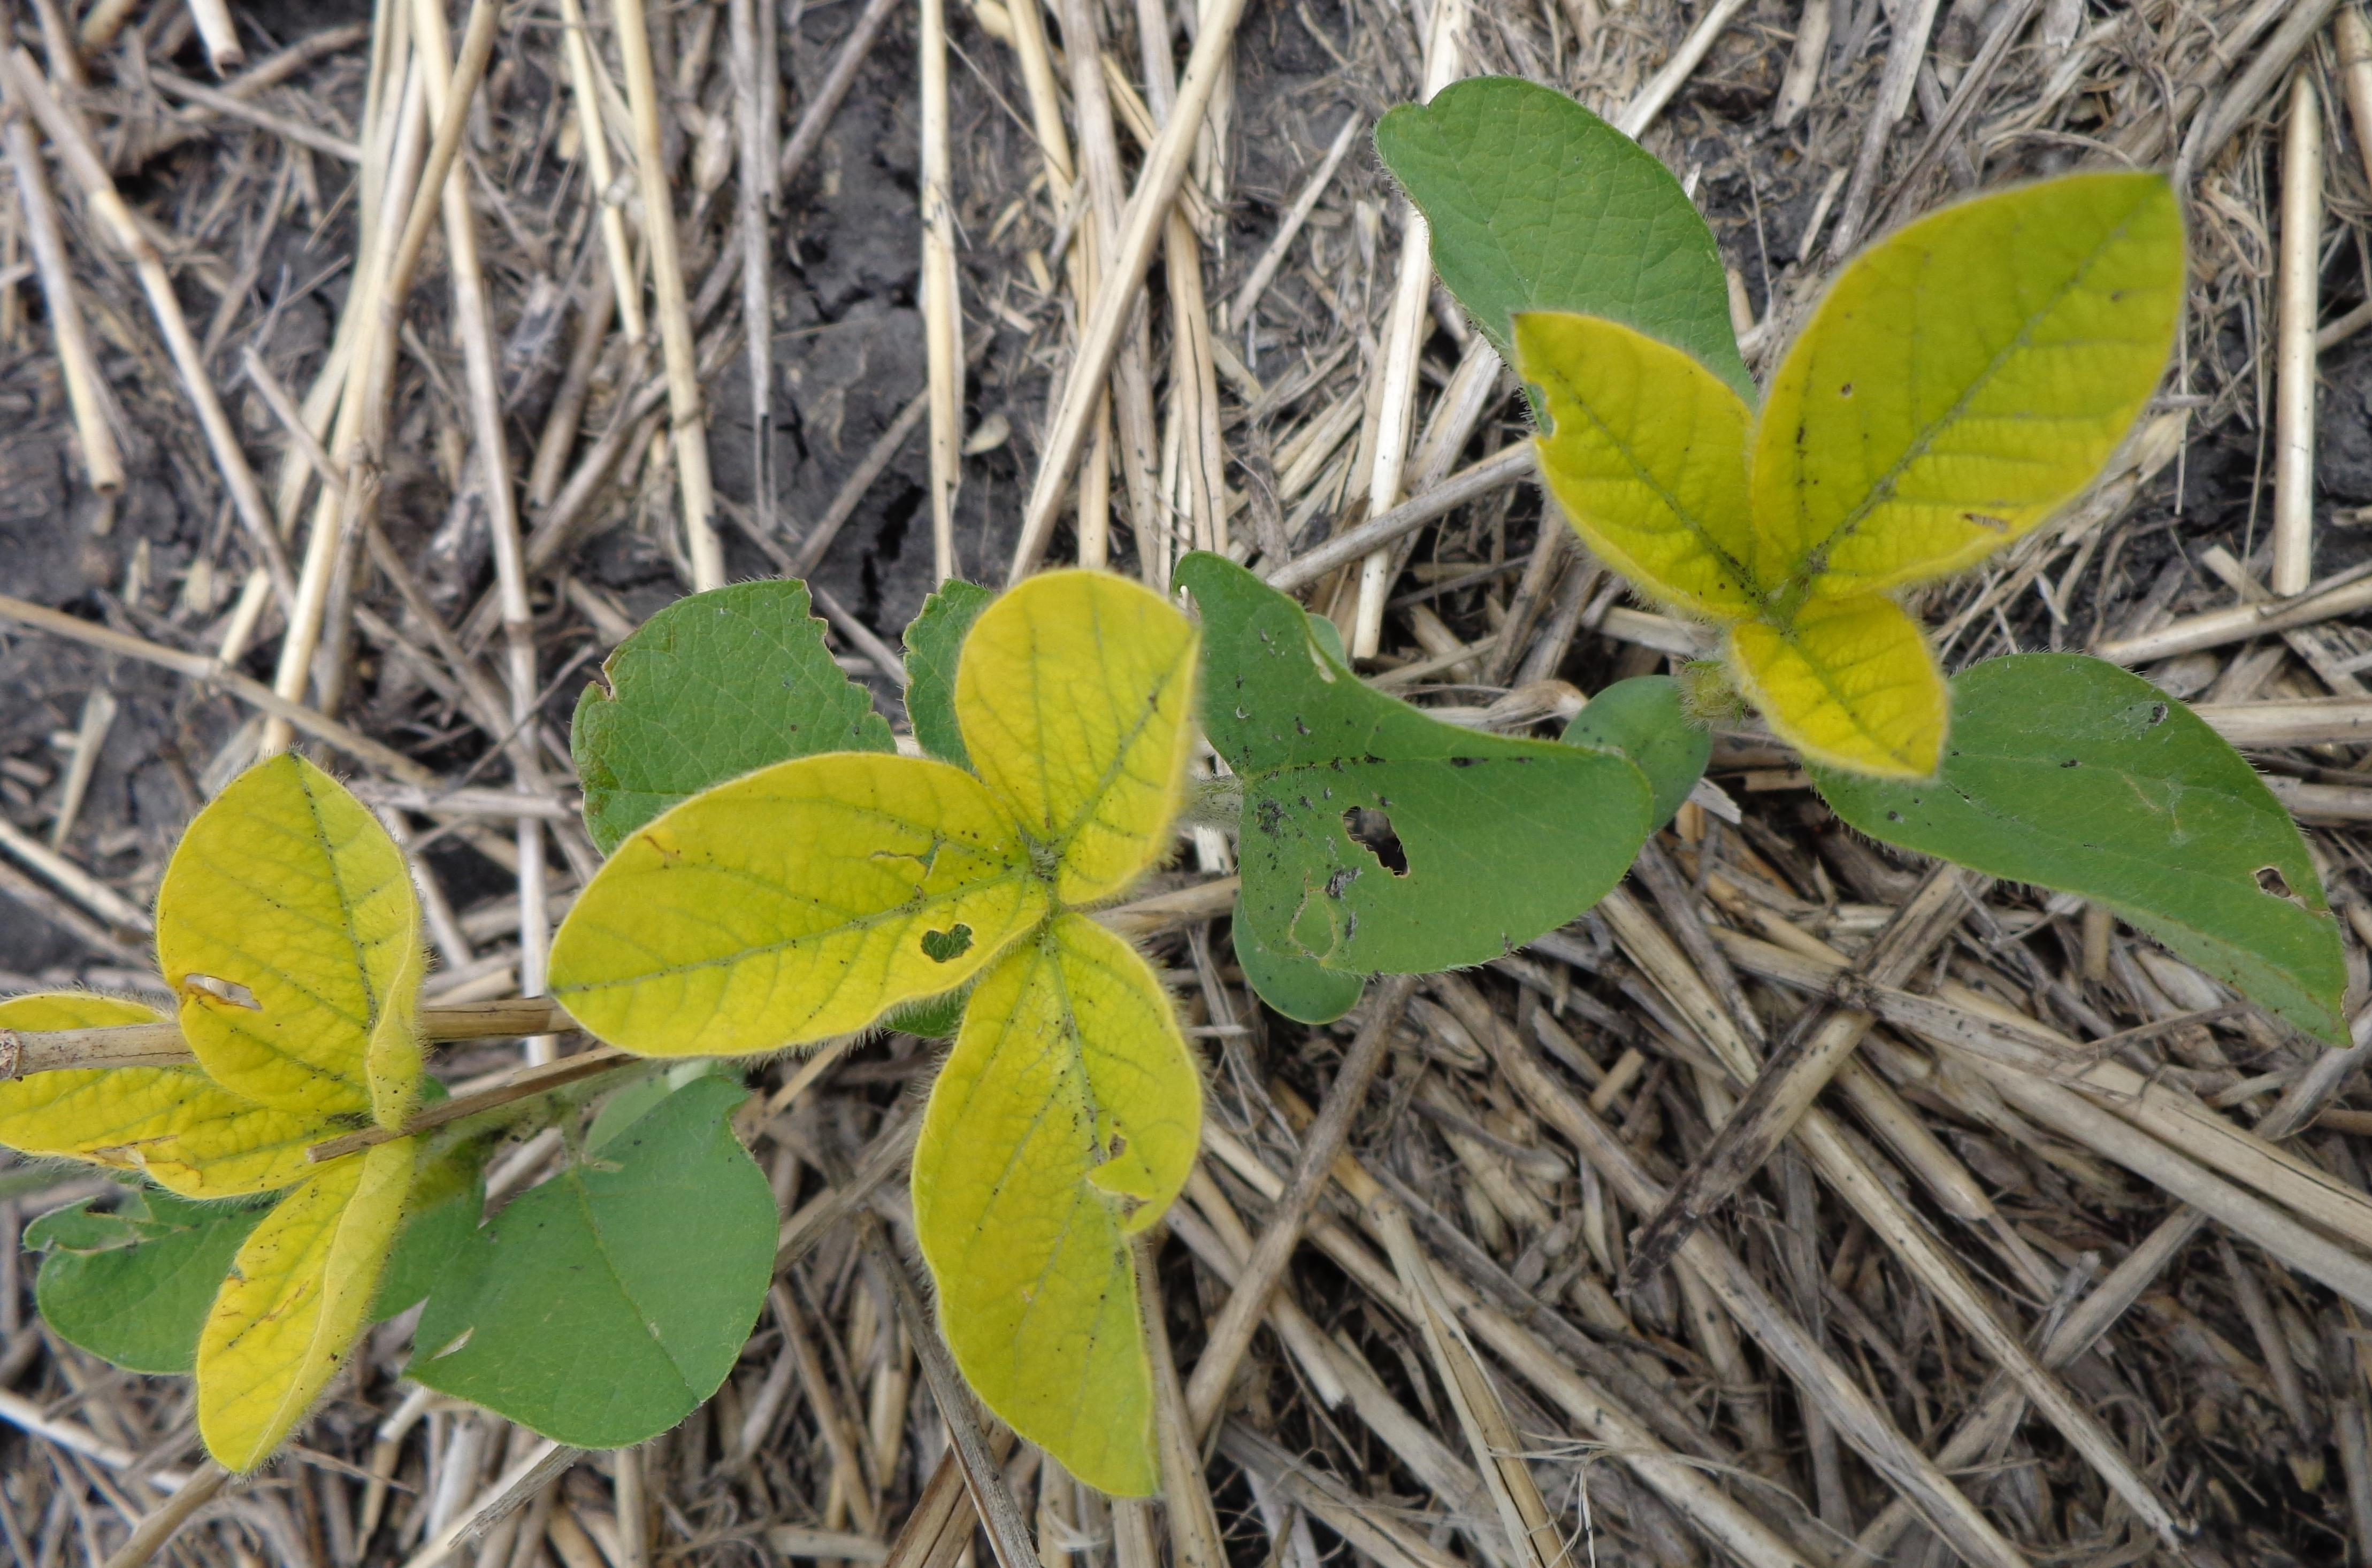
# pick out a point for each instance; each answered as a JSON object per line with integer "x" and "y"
{"x": 287, "y": 927}
{"x": 1963, "y": 381}
{"x": 816, "y": 897}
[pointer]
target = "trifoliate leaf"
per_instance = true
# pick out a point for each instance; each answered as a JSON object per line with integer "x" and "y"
{"x": 1849, "y": 682}
{"x": 1965, "y": 377}
{"x": 172, "y": 1123}
{"x": 1645, "y": 451}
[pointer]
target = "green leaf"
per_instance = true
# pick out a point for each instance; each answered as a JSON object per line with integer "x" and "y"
{"x": 1503, "y": 838}
{"x": 446, "y": 1201}
{"x": 646, "y": 1094}
{"x": 1294, "y": 984}
{"x": 2071, "y": 774}
{"x": 134, "y": 1288}
{"x": 78, "y": 1228}
{"x": 712, "y": 686}
{"x": 602, "y": 1306}
{"x": 1535, "y": 203}
{"x": 934, "y": 641}
{"x": 1647, "y": 720}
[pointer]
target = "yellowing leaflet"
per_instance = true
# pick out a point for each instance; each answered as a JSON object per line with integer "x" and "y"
{"x": 811, "y": 899}
{"x": 1964, "y": 379}
{"x": 288, "y": 926}
{"x": 1066, "y": 1119}
{"x": 800, "y": 902}
{"x": 1076, "y": 705}
{"x": 295, "y": 1300}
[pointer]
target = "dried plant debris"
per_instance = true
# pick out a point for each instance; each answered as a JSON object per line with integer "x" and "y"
{"x": 2067, "y": 1264}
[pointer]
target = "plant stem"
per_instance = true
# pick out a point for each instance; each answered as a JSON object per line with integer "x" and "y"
{"x": 161, "y": 1045}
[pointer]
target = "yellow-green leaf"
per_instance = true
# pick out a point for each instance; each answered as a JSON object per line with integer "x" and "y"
{"x": 1966, "y": 377}
{"x": 1850, "y": 683}
{"x": 174, "y": 1124}
{"x": 1644, "y": 449}
{"x": 1066, "y": 1119}
{"x": 298, "y": 1294}
{"x": 801, "y": 901}
{"x": 288, "y": 926}
{"x": 73, "y": 1010}
{"x": 1075, "y": 695}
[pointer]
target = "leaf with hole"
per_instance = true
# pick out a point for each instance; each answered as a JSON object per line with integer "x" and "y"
{"x": 1535, "y": 203}
{"x": 1066, "y": 1120}
{"x": 933, "y": 646}
{"x": 649, "y": 1265}
{"x": 288, "y": 926}
{"x": 297, "y": 1295}
{"x": 2071, "y": 774}
{"x": 715, "y": 686}
{"x": 799, "y": 902}
{"x": 136, "y": 1292}
{"x": 1376, "y": 838}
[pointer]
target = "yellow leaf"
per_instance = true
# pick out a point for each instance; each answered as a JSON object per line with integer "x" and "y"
{"x": 1850, "y": 683}
{"x": 288, "y": 926}
{"x": 1645, "y": 451}
{"x": 173, "y": 1123}
{"x": 297, "y": 1295}
{"x": 801, "y": 901}
{"x": 74, "y": 1010}
{"x": 1965, "y": 378}
{"x": 1075, "y": 695}
{"x": 1066, "y": 1119}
